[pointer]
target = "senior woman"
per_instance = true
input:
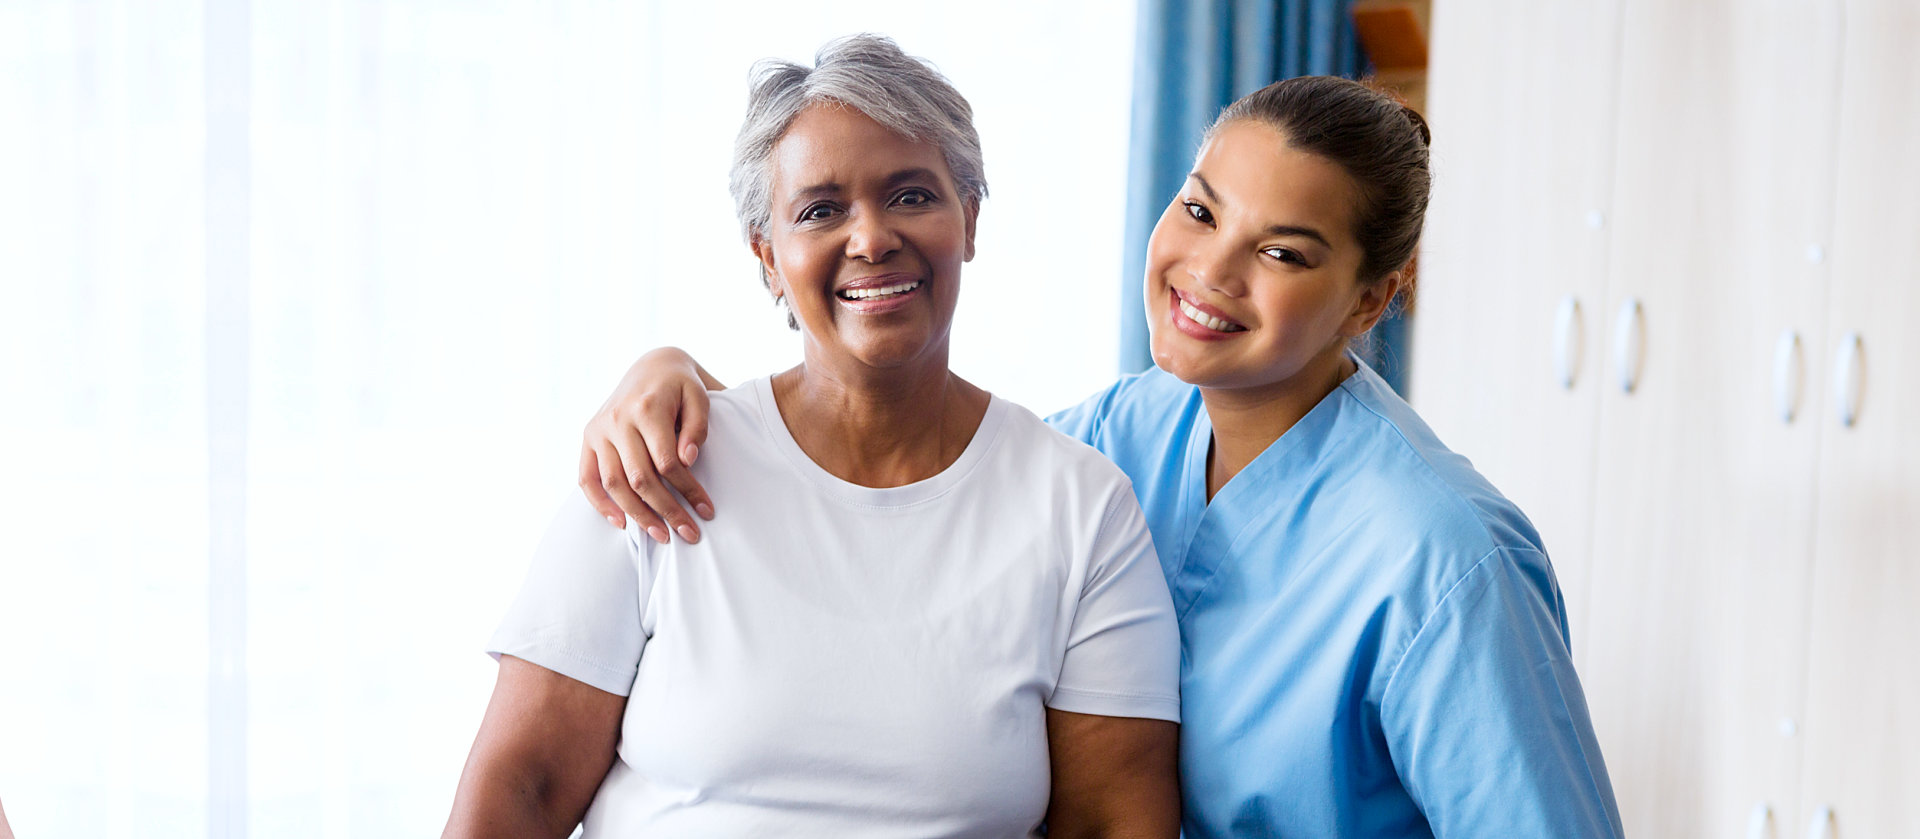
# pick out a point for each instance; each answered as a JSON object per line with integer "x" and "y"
{"x": 884, "y": 638}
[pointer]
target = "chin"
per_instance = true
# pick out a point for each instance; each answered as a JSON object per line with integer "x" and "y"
{"x": 1207, "y": 367}
{"x": 1181, "y": 362}
{"x": 884, "y": 355}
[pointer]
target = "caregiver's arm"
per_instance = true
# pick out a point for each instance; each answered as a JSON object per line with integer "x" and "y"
{"x": 1485, "y": 718}
{"x": 545, "y": 745}
{"x": 651, "y": 428}
{"x": 642, "y": 441}
{"x": 1113, "y": 776}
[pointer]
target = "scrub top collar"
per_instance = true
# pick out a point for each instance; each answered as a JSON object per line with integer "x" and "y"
{"x": 1211, "y": 530}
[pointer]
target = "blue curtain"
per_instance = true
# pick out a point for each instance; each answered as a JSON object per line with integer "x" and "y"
{"x": 1193, "y": 58}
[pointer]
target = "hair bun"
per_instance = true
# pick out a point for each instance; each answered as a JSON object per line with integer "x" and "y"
{"x": 1419, "y": 124}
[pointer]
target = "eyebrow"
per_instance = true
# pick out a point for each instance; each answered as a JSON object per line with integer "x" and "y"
{"x": 915, "y": 174}
{"x": 1272, "y": 230}
{"x": 918, "y": 173}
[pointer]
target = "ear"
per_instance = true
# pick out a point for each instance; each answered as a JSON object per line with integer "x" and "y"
{"x": 973, "y": 218}
{"x": 763, "y": 251}
{"x": 1372, "y": 303}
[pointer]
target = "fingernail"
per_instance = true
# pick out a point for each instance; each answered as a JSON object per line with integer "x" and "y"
{"x": 658, "y": 533}
{"x": 705, "y": 510}
{"x": 687, "y": 533}
{"x": 617, "y": 522}
{"x": 691, "y": 453}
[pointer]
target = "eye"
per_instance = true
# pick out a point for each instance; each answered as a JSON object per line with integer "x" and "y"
{"x": 817, "y": 212}
{"x": 1199, "y": 212}
{"x": 1285, "y": 255}
{"x": 914, "y": 197}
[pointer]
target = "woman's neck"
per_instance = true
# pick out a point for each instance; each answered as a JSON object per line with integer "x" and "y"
{"x": 1246, "y": 421}
{"x": 880, "y": 428}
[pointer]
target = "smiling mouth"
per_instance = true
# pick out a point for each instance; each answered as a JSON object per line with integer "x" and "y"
{"x": 880, "y": 293}
{"x": 1206, "y": 320}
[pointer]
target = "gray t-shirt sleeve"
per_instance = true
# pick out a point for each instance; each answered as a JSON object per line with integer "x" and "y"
{"x": 1123, "y": 650}
{"x": 579, "y": 611}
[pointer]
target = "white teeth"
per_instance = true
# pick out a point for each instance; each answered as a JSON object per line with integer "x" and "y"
{"x": 883, "y": 291}
{"x": 1209, "y": 321}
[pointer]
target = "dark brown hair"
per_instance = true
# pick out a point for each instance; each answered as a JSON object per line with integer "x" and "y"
{"x": 1380, "y": 142}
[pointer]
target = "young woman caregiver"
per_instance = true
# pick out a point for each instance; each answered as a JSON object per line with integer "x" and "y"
{"x": 1374, "y": 643}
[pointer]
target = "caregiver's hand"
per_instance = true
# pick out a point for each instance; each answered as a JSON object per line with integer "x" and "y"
{"x": 642, "y": 441}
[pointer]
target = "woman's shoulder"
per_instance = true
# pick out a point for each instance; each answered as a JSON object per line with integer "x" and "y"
{"x": 1040, "y": 450}
{"x": 1038, "y": 468}
{"x": 1045, "y": 481}
{"x": 1433, "y": 531}
{"x": 741, "y": 399}
{"x": 1437, "y": 529}
{"x": 741, "y": 414}
{"x": 1112, "y": 417}
{"x": 1434, "y": 490}
{"x": 1152, "y": 389}
{"x": 747, "y": 442}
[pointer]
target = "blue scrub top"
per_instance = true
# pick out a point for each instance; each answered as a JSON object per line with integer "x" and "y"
{"x": 1373, "y": 643}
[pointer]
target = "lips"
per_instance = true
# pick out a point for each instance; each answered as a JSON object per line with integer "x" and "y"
{"x": 878, "y": 294}
{"x": 1204, "y": 316}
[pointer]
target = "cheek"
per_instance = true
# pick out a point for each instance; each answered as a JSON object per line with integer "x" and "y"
{"x": 1304, "y": 315}
{"x": 786, "y": 257}
{"x": 809, "y": 268}
{"x": 1163, "y": 249}
{"x": 948, "y": 242}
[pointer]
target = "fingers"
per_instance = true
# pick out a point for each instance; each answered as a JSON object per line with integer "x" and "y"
{"x": 694, "y": 401}
{"x": 619, "y": 486}
{"x": 654, "y": 466}
{"x": 596, "y": 494}
{"x": 640, "y": 446}
{"x": 693, "y": 433}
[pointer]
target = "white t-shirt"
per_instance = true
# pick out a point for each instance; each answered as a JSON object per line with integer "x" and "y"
{"x": 842, "y": 661}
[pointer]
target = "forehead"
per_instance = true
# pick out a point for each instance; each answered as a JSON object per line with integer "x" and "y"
{"x": 835, "y": 145}
{"x": 1262, "y": 180}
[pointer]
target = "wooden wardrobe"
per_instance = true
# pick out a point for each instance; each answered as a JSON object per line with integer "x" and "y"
{"x": 1669, "y": 303}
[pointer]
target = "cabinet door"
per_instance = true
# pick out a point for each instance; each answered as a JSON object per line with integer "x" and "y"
{"x": 1863, "y": 695}
{"x": 1722, "y": 207}
{"x": 1520, "y": 96}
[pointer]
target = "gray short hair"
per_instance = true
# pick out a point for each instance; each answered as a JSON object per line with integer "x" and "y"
{"x": 870, "y": 74}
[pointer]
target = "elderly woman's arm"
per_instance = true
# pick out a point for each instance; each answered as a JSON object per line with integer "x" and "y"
{"x": 544, "y": 747}
{"x": 1113, "y": 777}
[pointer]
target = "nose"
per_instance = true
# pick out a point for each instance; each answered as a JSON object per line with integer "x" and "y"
{"x": 871, "y": 237}
{"x": 1217, "y": 268}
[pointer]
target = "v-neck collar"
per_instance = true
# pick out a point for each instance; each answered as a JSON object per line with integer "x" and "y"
{"x": 1210, "y": 529}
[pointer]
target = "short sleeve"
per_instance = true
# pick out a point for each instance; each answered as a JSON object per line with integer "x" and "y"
{"x": 1486, "y": 719}
{"x": 579, "y": 611}
{"x": 1123, "y": 649}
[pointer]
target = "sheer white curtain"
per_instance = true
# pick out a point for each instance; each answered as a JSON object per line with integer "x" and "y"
{"x": 303, "y": 305}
